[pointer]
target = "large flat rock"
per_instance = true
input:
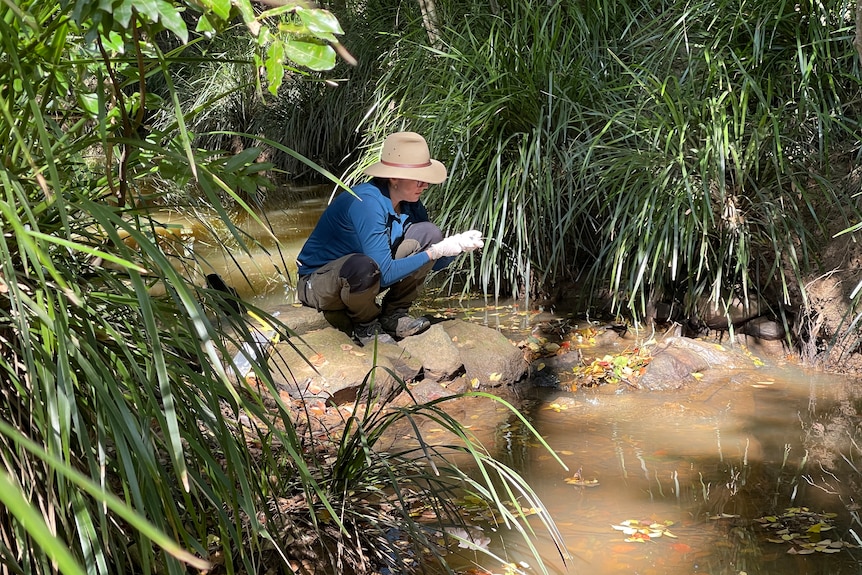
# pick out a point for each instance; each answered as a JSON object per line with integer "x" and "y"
{"x": 321, "y": 362}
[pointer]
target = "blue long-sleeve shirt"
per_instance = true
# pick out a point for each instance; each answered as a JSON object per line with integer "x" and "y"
{"x": 368, "y": 224}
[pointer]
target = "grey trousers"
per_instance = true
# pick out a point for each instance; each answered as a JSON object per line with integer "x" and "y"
{"x": 352, "y": 282}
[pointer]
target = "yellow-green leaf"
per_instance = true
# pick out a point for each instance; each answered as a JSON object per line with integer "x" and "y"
{"x": 311, "y": 53}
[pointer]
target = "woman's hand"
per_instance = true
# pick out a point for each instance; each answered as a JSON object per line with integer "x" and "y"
{"x": 454, "y": 245}
{"x": 470, "y": 240}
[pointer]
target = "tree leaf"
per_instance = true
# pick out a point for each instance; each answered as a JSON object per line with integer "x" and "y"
{"x": 205, "y": 27}
{"x": 319, "y": 22}
{"x": 313, "y": 54}
{"x": 123, "y": 14}
{"x": 275, "y": 66}
{"x": 170, "y": 18}
{"x": 220, "y": 8}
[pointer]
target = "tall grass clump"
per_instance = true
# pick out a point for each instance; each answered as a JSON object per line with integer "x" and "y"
{"x": 685, "y": 150}
{"x": 717, "y": 165}
{"x": 502, "y": 99}
{"x": 128, "y": 442}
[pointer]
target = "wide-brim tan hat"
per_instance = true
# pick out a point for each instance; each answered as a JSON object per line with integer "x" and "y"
{"x": 405, "y": 155}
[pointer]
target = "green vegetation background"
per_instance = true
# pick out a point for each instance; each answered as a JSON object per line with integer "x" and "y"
{"x": 641, "y": 149}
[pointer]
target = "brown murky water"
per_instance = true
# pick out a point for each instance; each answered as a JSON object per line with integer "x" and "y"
{"x": 705, "y": 463}
{"x": 266, "y": 274}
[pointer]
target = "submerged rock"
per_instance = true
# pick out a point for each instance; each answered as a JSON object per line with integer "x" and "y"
{"x": 763, "y": 328}
{"x": 676, "y": 359}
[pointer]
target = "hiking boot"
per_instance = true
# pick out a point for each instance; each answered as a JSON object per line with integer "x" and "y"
{"x": 399, "y": 324}
{"x": 366, "y": 333}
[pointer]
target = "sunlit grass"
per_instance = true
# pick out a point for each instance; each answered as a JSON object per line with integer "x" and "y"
{"x": 689, "y": 153}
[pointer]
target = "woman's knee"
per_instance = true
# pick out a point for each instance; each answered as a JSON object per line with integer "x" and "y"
{"x": 426, "y": 233}
{"x": 361, "y": 273}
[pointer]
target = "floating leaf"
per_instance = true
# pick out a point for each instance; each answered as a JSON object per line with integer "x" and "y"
{"x": 818, "y": 527}
{"x": 580, "y": 482}
{"x": 640, "y": 531}
{"x": 802, "y": 528}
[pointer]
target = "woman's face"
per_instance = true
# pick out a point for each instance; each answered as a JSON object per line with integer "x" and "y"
{"x": 405, "y": 190}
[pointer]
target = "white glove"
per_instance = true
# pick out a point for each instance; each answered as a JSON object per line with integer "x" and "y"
{"x": 450, "y": 246}
{"x": 471, "y": 240}
{"x": 454, "y": 245}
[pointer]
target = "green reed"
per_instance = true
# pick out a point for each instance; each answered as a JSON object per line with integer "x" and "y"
{"x": 644, "y": 153}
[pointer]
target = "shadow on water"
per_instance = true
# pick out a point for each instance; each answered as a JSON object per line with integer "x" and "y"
{"x": 705, "y": 463}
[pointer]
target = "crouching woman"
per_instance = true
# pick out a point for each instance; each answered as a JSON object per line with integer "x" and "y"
{"x": 380, "y": 238}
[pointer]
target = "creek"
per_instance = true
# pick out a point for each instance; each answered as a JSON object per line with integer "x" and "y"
{"x": 738, "y": 473}
{"x": 707, "y": 463}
